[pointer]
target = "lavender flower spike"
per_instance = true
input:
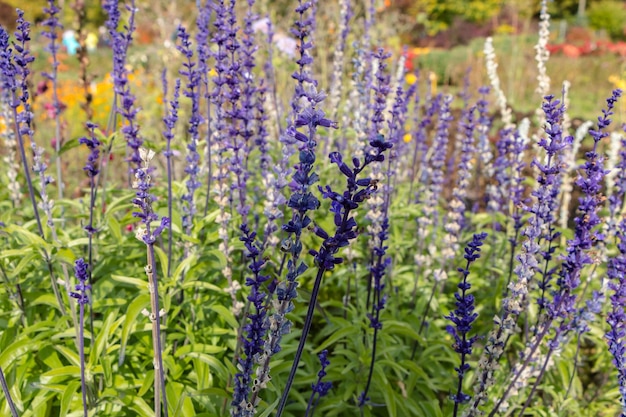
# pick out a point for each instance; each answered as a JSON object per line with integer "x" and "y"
{"x": 192, "y": 91}
{"x": 342, "y": 206}
{"x": 564, "y": 305}
{"x": 542, "y": 216}
{"x": 255, "y": 329}
{"x": 53, "y": 26}
{"x": 320, "y": 387}
{"x": 170, "y": 124}
{"x": 14, "y": 68}
{"x": 81, "y": 271}
{"x": 616, "y": 318}
{"x": 463, "y": 317}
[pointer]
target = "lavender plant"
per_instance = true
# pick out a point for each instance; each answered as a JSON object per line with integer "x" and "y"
{"x": 15, "y": 72}
{"x": 463, "y": 317}
{"x": 211, "y": 352}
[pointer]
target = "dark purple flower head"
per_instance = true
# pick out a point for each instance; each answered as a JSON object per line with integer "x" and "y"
{"x": 463, "y": 316}
{"x": 81, "y": 270}
{"x": 255, "y": 328}
{"x": 92, "y": 142}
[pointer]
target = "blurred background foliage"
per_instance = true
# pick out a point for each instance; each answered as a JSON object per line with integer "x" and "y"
{"x": 421, "y": 18}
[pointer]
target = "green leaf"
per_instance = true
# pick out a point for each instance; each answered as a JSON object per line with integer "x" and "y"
{"x": 226, "y": 314}
{"x": 17, "y": 350}
{"x": 70, "y": 144}
{"x": 66, "y": 398}
{"x": 213, "y": 363}
{"x": 139, "y": 405}
{"x": 135, "y": 307}
{"x": 338, "y": 335}
{"x": 269, "y": 409}
{"x": 133, "y": 282}
{"x": 73, "y": 371}
{"x": 108, "y": 327}
{"x": 114, "y": 228}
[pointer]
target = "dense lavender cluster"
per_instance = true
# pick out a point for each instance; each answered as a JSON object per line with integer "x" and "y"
{"x": 372, "y": 209}
{"x": 585, "y": 233}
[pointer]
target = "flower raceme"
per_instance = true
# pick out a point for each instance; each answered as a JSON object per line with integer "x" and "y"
{"x": 463, "y": 317}
{"x": 342, "y": 205}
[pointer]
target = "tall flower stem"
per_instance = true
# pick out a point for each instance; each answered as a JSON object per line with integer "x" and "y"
{"x": 81, "y": 270}
{"x": 305, "y": 332}
{"x": 81, "y": 354}
{"x": 155, "y": 318}
{"x": 7, "y": 394}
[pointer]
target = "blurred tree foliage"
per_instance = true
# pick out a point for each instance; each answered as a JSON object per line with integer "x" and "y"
{"x": 609, "y": 16}
{"x": 33, "y": 10}
{"x": 438, "y": 15}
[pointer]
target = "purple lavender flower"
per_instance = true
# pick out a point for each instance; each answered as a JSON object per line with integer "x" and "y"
{"x": 483, "y": 146}
{"x": 617, "y": 197}
{"x": 249, "y": 91}
{"x": 91, "y": 169}
{"x": 381, "y": 90}
{"x": 454, "y": 219}
{"x": 463, "y": 317}
{"x": 204, "y": 53}
{"x": 498, "y": 193}
{"x": 14, "y": 78}
{"x": 564, "y": 306}
{"x": 81, "y": 271}
{"x": 92, "y": 142}
{"x": 418, "y": 137}
{"x": 320, "y": 387}
{"x": 222, "y": 144}
{"x": 192, "y": 91}
{"x": 541, "y": 217}
{"x": 52, "y": 27}
{"x": 342, "y": 205}
{"x": 170, "y": 123}
{"x": 585, "y": 235}
{"x": 437, "y": 160}
{"x": 616, "y": 318}
{"x": 302, "y": 30}
{"x": 255, "y": 329}
{"x": 120, "y": 42}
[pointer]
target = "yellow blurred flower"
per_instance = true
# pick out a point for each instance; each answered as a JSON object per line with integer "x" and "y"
{"x": 212, "y": 72}
{"x": 410, "y": 78}
{"x": 420, "y": 51}
{"x": 407, "y": 138}
{"x": 617, "y": 82}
